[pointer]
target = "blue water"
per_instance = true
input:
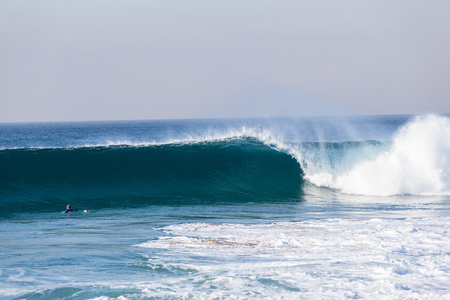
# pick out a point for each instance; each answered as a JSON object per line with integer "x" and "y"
{"x": 354, "y": 207}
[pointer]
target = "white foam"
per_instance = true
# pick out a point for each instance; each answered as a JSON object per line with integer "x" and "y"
{"x": 418, "y": 163}
{"x": 332, "y": 258}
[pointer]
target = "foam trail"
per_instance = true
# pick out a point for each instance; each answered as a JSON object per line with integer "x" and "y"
{"x": 359, "y": 258}
{"x": 417, "y": 163}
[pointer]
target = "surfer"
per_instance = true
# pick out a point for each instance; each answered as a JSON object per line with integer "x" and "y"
{"x": 69, "y": 209}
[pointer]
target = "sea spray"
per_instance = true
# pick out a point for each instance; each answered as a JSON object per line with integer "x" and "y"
{"x": 417, "y": 162}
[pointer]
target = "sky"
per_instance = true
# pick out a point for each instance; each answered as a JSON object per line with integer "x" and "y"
{"x": 89, "y": 60}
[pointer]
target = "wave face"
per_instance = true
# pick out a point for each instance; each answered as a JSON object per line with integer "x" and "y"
{"x": 130, "y": 176}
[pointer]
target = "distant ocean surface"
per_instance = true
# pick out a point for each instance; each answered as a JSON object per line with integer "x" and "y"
{"x": 282, "y": 208}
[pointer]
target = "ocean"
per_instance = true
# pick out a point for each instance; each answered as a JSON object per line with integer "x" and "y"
{"x": 280, "y": 208}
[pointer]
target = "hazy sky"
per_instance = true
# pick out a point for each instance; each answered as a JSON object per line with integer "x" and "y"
{"x": 109, "y": 60}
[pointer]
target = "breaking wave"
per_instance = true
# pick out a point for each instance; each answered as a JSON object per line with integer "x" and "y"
{"x": 246, "y": 166}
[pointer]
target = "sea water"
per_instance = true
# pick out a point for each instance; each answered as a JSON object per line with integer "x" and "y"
{"x": 286, "y": 208}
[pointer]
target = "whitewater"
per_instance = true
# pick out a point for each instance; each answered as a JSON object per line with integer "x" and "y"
{"x": 304, "y": 208}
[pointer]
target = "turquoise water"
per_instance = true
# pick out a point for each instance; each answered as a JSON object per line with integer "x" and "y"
{"x": 219, "y": 209}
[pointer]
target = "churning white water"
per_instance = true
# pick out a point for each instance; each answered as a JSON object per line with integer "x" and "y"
{"x": 417, "y": 163}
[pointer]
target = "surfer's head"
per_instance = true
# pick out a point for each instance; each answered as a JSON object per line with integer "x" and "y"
{"x": 68, "y": 206}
